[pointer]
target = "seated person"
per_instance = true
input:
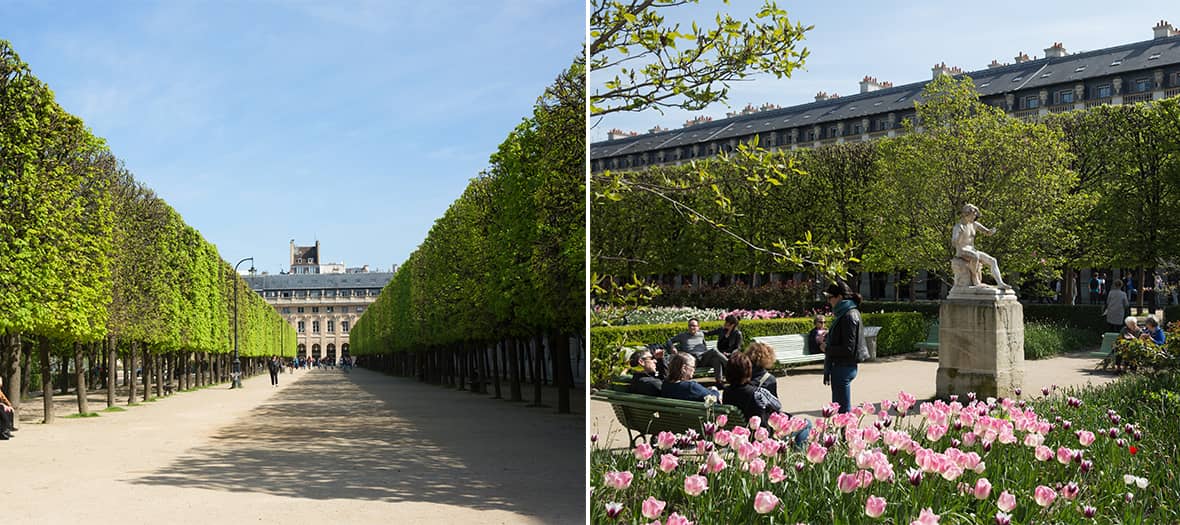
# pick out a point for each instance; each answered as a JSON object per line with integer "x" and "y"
{"x": 729, "y": 337}
{"x": 761, "y": 361}
{"x": 693, "y": 342}
{"x": 816, "y": 336}
{"x": 679, "y": 384}
{"x": 644, "y": 379}
{"x": 742, "y": 394}
{"x": 1153, "y": 332}
{"x": 7, "y": 414}
{"x": 1130, "y": 328}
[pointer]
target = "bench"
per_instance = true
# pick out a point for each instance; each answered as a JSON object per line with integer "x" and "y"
{"x": 638, "y": 413}
{"x": 930, "y": 345}
{"x": 790, "y": 349}
{"x": 1105, "y": 350}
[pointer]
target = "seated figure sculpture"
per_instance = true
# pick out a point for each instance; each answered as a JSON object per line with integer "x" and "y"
{"x": 968, "y": 262}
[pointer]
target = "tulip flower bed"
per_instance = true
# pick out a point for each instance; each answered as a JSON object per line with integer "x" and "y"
{"x": 1095, "y": 455}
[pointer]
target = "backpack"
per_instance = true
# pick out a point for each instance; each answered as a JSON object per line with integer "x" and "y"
{"x": 763, "y": 399}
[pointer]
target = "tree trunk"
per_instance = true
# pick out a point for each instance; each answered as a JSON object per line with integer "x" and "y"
{"x": 495, "y": 359}
{"x": 111, "y": 371}
{"x": 538, "y": 352}
{"x": 46, "y": 378}
{"x": 26, "y": 369}
{"x": 147, "y": 373}
{"x": 514, "y": 370}
{"x": 129, "y": 368}
{"x": 562, "y": 375}
{"x": 80, "y": 377}
{"x": 158, "y": 374}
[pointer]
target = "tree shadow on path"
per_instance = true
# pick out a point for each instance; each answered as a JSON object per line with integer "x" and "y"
{"x": 366, "y": 436}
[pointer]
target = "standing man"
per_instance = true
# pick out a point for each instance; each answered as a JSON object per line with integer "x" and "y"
{"x": 274, "y": 367}
{"x": 7, "y": 414}
{"x": 692, "y": 342}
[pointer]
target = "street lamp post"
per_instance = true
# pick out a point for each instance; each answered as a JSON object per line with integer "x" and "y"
{"x": 237, "y": 372}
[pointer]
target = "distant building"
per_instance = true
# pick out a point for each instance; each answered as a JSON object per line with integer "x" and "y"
{"x": 1028, "y": 88}
{"x": 321, "y": 300}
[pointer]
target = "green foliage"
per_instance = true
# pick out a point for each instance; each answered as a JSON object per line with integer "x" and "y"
{"x": 1042, "y": 340}
{"x": 86, "y": 251}
{"x": 790, "y": 296}
{"x": 507, "y": 257}
{"x": 649, "y": 63}
{"x": 968, "y": 152}
{"x": 1082, "y": 316}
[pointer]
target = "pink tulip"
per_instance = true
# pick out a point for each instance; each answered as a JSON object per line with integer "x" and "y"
{"x": 715, "y": 463}
{"x": 816, "y": 453}
{"x": 666, "y": 440}
{"x": 1089, "y": 511}
{"x": 904, "y": 402}
{"x": 1007, "y": 501}
{"x": 754, "y": 423}
{"x": 722, "y": 438}
{"x": 874, "y": 507}
{"x": 756, "y": 467}
{"x": 618, "y": 480}
{"x": 1070, "y": 490}
{"x": 677, "y": 519}
{"x": 668, "y": 463}
{"x": 1043, "y": 453}
{"x": 722, "y": 420}
{"x": 927, "y": 517}
{"x": 1064, "y": 455}
{"x": 643, "y": 451}
{"x": 935, "y": 432}
{"x": 777, "y": 474}
{"x": 847, "y": 482}
{"x": 695, "y": 485}
{"x": 983, "y": 488}
{"x": 765, "y": 502}
{"x": 1044, "y": 496}
{"x": 748, "y": 451}
{"x": 1085, "y": 437}
{"x": 652, "y": 508}
{"x": 1003, "y": 519}
{"x": 771, "y": 447}
{"x": 613, "y": 510}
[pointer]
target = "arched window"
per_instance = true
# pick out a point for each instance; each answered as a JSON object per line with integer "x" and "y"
{"x": 331, "y": 351}
{"x": 315, "y": 351}
{"x": 302, "y": 351}
{"x": 344, "y": 350}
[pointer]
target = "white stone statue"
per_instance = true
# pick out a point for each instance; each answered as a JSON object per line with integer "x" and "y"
{"x": 968, "y": 262}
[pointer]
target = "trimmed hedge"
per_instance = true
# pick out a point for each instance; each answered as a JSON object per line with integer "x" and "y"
{"x": 899, "y": 332}
{"x": 1083, "y": 316}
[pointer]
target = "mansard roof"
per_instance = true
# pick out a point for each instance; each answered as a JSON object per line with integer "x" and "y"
{"x": 1033, "y": 74}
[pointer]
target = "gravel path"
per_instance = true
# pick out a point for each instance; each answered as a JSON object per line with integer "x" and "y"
{"x": 323, "y": 447}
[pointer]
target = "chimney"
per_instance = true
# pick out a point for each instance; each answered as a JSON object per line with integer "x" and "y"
{"x": 872, "y": 84}
{"x": 821, "y": 96}
{"x": 701, "y": 119}
{"x": 1164, "y": 30}
{"x": 943, "y": 69}
{"x": 1022, "y": 58}
{"x": 995, "y": 64}
{"x": 616, "y": 134}
{"x": 656, "y": 129}
{"x": 1056, "y": 51}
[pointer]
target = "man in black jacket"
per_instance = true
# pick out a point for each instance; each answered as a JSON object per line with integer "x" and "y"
{"x": 644, "y": 379}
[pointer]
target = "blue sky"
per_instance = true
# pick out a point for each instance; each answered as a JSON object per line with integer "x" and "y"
{"x": 900, "y": 41}
{"x": 353, "y": 122}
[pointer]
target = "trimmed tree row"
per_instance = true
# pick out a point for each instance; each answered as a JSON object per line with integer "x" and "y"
{"x": 99, "y": 274}
{"x": 496, "y": 290}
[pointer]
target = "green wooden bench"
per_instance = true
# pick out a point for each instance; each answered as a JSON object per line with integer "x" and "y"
{"x": 1107, "y": 347}
{"x": 647, "y": 415}
{"x": 790, "y": 349}
{"x": 930, "y": 345}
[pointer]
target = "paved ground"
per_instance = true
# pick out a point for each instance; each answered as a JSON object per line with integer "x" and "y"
{"x": 803, "y": 392}
{"x": 324, "y": 447}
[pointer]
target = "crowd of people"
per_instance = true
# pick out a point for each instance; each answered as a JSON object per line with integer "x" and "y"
{"x": 742, "y": 377}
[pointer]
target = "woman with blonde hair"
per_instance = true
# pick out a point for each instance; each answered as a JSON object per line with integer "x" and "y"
{"x": 762, "y": 360}
{"x": 679, "y": 384}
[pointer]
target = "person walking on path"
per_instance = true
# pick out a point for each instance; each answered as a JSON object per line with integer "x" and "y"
{"x": 1116, "y": 306}
{"x": 274, "y": 367}
{"x": 840, "y": 345}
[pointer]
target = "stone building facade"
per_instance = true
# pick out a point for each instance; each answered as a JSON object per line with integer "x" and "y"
{"x": 321, "y": 300}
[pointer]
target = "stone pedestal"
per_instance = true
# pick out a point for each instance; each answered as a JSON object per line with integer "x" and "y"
{"x": 980, "y": 343}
